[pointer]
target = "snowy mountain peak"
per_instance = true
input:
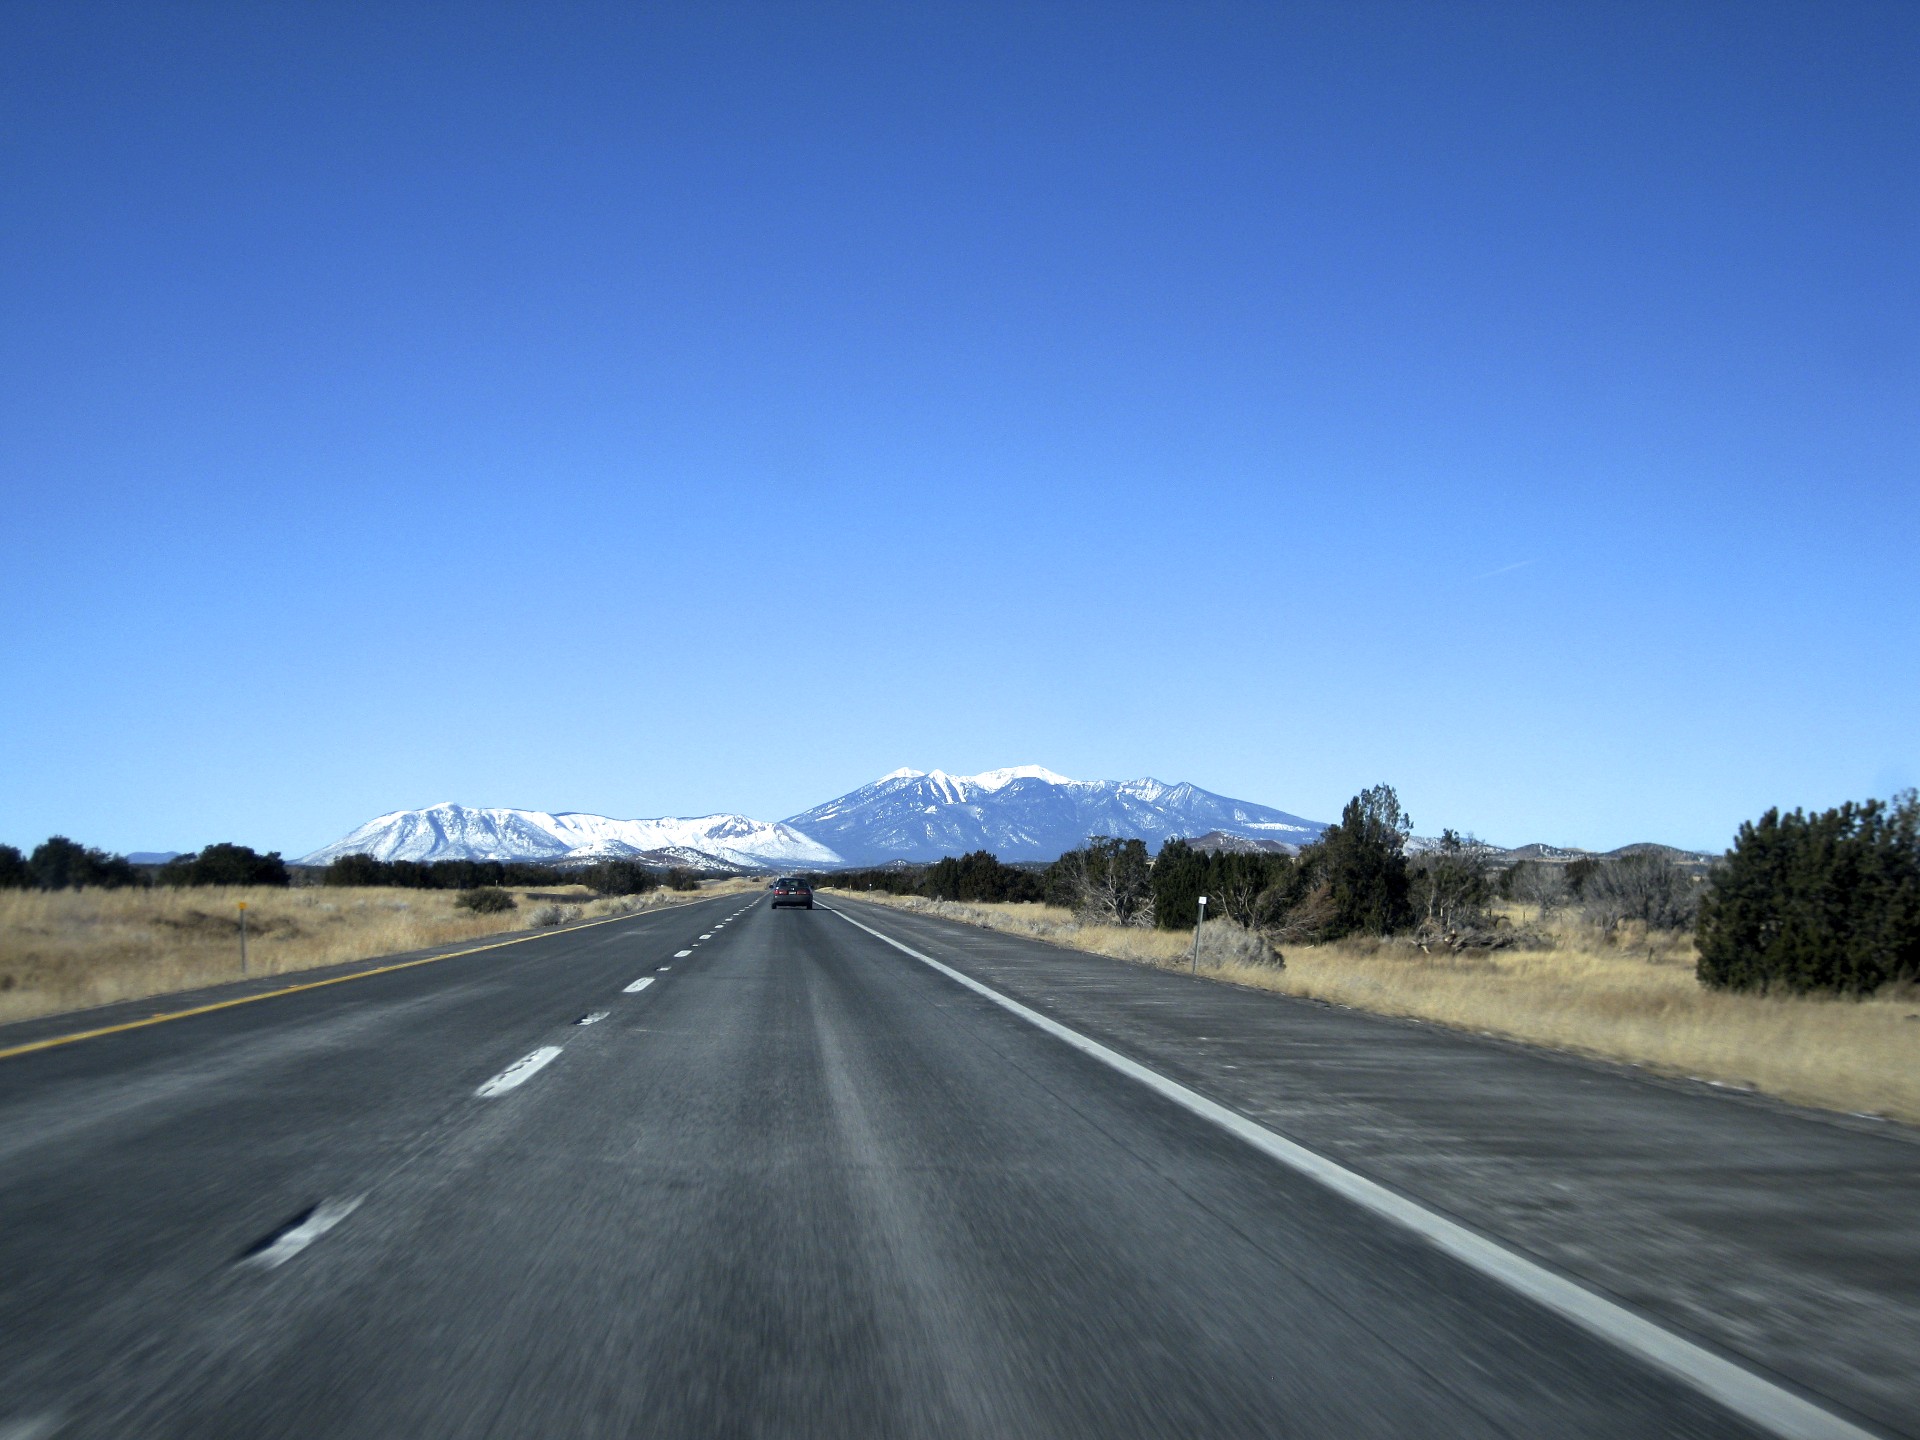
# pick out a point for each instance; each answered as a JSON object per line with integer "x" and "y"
{"x": 991, "y": 780}
{"x": 1026, "y": 812}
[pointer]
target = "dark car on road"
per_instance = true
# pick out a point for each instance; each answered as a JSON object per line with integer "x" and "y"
{"x": 792, "y": 892}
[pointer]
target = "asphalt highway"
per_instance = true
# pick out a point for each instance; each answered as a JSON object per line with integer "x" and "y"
{"x": 796, "y": 1183}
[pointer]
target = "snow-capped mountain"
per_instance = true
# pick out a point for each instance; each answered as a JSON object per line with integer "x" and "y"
{"x": 1026, "y": 813}
{"x": 461, "y": 832}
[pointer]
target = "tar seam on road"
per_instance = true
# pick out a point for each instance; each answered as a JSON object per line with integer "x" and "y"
{"x": 1760, "y": 1401}
{"x": 70, "y": 1037}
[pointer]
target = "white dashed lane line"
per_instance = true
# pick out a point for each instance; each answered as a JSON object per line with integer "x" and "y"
{"x": 307, "y": 1228}
{"x": 679, "y": 955}
{"x": 518, "y": 1073}
{"x": 707, "y": 936}
{"x": 638, "y": 985}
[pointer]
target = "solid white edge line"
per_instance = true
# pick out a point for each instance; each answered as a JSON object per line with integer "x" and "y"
{"x": 1746, "y": 1394}
{"x": 638, "y": 985}
{"x": 518, "y": 1073}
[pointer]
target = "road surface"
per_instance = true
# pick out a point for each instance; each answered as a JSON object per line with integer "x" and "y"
{"x": 796, "y": 1183}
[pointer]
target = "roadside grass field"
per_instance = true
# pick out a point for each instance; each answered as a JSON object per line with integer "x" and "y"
{"x": 73, "y": 949}
{"x": 1635, "y": 1001}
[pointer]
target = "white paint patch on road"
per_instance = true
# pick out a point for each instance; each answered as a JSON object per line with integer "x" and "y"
{"x": 518, "y": 1073}
{"x": 30, "y": 1427}
{"x": 638, "y": 985}
{"x": 594, "y": 1019}
{"x": 679, "y": 955}
{"x": 1771, "y": 1407}
{"x": 296, "y": 1237}
{"x": 707, "y": 936}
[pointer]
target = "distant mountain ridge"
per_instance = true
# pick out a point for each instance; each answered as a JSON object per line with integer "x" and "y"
{"x": 1024, "y": 812}
{"x": 461, "y": 832}
{"x": 1027, "y": 812}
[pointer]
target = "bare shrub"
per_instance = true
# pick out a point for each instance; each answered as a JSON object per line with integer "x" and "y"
{"x": 1648, "y": 888}
{"x": 1110, "y": 882}
{"x": 1227, "y": 942}
{"x": 486, "y": 900}
{"x": 1539, "y": 884}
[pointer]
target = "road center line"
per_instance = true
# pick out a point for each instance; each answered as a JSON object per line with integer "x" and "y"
{"x": 1770, "y": 1406}
{"x": 638, "y": 985}
{"x": 518, "y": 1073}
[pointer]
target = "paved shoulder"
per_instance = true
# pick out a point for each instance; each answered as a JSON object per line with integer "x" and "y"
{"x": 1779, "y": 1235}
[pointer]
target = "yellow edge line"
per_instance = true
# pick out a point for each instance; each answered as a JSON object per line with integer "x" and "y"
{"x": 70, "y": 1037}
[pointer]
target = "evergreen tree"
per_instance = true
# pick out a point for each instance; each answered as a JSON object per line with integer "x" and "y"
{"x": 978, "y": 876}
{"x": 614, "y": 877}
{"x": 15, "y": 873}
{"x": 355, "y": 870}
{"x": 1180, "y": 875}
{"x": 226, "y": 864}
{"x": 1364, "y": 864}
{"x": 1821, "y": 902}
{"x": 59, "y": 864}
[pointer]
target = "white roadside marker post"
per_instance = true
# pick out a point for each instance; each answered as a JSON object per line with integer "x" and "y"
{"x": 1196, "y": 936}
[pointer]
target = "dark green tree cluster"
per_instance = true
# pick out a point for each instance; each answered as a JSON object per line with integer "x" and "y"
{"x": 1817, "y": 902}
{"x": 978, "y": 876}
{"x": 887, "y": 879}
{"x": 1250, "y": 888}
{"x": 62, "y": 864}
{"x": 442, "y": 874}
{"x": 225, "y": 864}
{"x": 618, "y": 877}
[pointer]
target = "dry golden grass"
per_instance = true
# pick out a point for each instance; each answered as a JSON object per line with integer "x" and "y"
{"x": 1635, "y": 1001}
{"x": 71, "y": 949}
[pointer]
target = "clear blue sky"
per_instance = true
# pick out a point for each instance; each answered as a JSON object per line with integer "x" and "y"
{"x": 669, "y": 409}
